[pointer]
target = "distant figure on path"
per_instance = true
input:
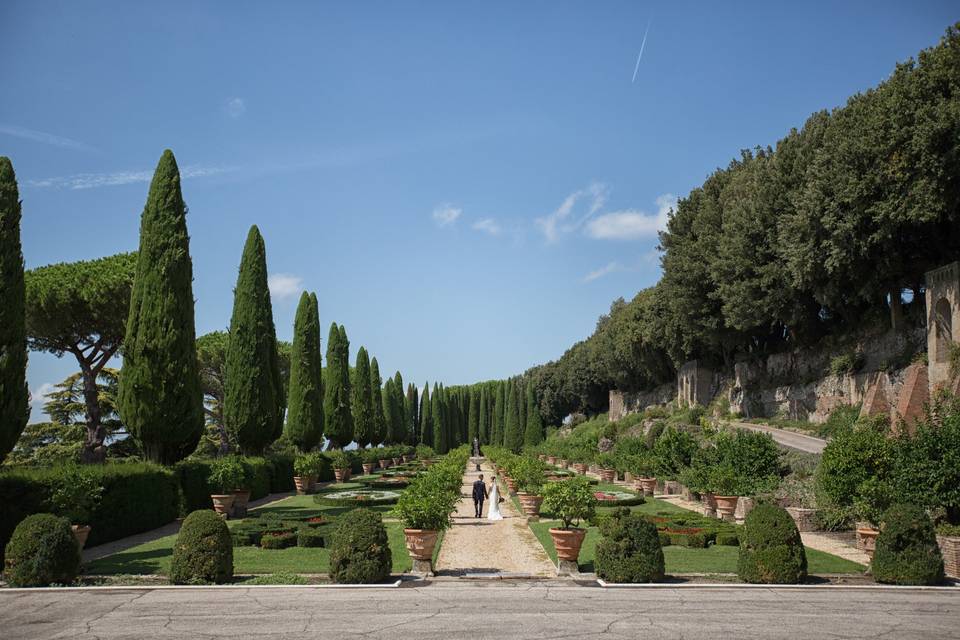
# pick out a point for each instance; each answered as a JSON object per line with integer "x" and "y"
{"x": 479, "y": 495}
{"x": 476, "y": 448}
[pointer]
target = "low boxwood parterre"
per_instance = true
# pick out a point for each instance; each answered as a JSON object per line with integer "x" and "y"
{"x": 357, "y": 498}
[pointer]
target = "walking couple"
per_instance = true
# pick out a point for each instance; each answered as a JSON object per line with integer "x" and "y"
{"x": 480, "y": 493}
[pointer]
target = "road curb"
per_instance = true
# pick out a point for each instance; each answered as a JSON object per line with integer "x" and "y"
{"x": 802, "y": 587}
{"x": 204, "y": 587}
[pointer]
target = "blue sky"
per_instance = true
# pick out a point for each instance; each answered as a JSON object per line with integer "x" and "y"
{"x": 465, "y": 186}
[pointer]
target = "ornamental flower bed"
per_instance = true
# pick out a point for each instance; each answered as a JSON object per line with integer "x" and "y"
{"x": 357, "y": 498}
{"x": 617, "y": 498}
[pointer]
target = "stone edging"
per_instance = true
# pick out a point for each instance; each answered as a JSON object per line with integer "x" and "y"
{"x": 869, "y": 587}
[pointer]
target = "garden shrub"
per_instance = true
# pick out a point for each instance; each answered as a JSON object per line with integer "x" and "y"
{"x": 771, "y": 551}
{"x": 672, "y": 452}
{"x": 664, "y": 539}
{"x": 629, "y": 550}
{"x": 278, "y": 539}
{"x": 848, "y": 461}
{"x": 42, "y": 551}
{"x": 840, "y": 419}
{"x": 359, "y": 549}
{"x": 310, "y": 537}
{"x": 203, "y": 552}
{"x": 726, "y": 539}
{"x": 906, "y": 551}
{"x": 276, "y": 578}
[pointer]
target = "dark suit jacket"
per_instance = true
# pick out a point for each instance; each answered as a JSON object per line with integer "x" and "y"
{"x": 479, "y": 490}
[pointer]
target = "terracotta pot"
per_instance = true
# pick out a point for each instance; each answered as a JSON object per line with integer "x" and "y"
{"x": 530, "y": 503}
{"x": 568, "y": 542}
{"x": 341, "y": 475}
{"x": 867, "y": 539}
{"x": 406, "y": 457}
{"x": 511, "y": 485}
{"x": 420, "y": 543}
{"x": 397, "y": 462}
{"x": 384, "y": 464}
{"x": 950, "y": 548}
{"x": 240, "y": 499}
{"x": 222, "y": 503}
{"x": 541, "y": 457}
{"x": 80, "y": 532}
{"x": 304, "y": 484}
{"x": 608, "y": 475}
{"x": 368, "y": 468}
{"x": 647, "y": 485}
{"x": 564, "y": 464}
{"x": 709, "y": 505}
{"x": 806, "y": 519}
{"x": 726, "y": 506}
{"x": 580, "y": 468}
{"x": 552, "y": 460}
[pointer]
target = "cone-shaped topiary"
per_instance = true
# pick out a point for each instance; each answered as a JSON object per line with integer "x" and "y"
{"x": 203, "y": 553}
{"x": 253, "y": 391}
{"x": 159, "y": 397}
{"x": 304, "y": 427}
{"x": 629, "y": 550}
{"x": 906, "y": 551}
{"x": 363, "y": 419}
{"x": 378, "y": 428}
{"x": 14, "y": 396}
{"x": 771, "y": 551}
{"x": 41, "y": 552}
{"x": 359, "y": 549}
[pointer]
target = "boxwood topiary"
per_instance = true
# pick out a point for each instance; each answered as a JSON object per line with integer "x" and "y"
{"x": 310, "y": 537}
{"x": 279, "y": 540}
{"x": 42, "y": 551}
{"x": 906, "y": 551}
{"x": 629, "y": 550}
{"x": 203, "y": 552}
{"x": 727, "y": 539}
{"x": 771, "y": 551}
{"x": 359, "y": 549}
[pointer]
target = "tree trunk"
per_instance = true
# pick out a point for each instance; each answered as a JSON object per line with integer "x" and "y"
{"x": 93, "y": 449}
{"x": 896, "y": 310}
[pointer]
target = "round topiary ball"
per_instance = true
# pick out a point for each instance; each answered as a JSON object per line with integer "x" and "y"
{"x": 771, "y": 551}
{"x": 203, "y": 553}
{"x": 41, "y": 552}
{"x": 359, "y": 549}
{"x": 907, "y": 551}
{"x": 629, "y": 550}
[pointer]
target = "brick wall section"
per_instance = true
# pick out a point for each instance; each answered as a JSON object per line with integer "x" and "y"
{"x": 913, "y": 396}
{"x": 875, "y": 402}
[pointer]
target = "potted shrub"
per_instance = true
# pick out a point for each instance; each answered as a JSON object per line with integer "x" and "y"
{"x": 948, "y": 538}
{"x": 384, "y": 457}
{"x": 307, "y": 467}
{"x": 396, "y": 456}
{"x": 724, "y": 488}
{"x": 341, "y": 465}
{"x": 407, "y": 455}
{"x": 606, "y": 465}
{"x": 875, "y": 496}
{"x": 529, "y": 479}
{"x": 75, "y": 497}
{"x": 424, "y": 510}
{"x": 642, "y": 469}
{"x": 241, "y": 495}
{"x": 570, "y": 501}
{"x": 552, "y": 460}
{"x": 226, "y": 475}
{"x": 368, "y": 460}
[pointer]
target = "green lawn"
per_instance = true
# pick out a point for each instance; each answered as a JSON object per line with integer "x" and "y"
{"x": 154, "y": 557}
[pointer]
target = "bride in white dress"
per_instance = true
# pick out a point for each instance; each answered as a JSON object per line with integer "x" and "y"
{"x": 493, "y": 513}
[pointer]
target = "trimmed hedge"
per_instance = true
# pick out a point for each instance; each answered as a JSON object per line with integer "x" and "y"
{"x": 771, "y": 551}
{"x": 359, "y": 549}
{"x": 907, "y": 552}
{"x": 629, "y": 550}
{"x": 310, "y": 537}
{"x": 203, "y": 552}
{"x": 42, "y": 551}
{"x": 271, "y": 474}
{"x": 278, "y": 540}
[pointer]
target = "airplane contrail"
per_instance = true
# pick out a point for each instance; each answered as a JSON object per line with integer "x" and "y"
{"x": 642, "y": 45}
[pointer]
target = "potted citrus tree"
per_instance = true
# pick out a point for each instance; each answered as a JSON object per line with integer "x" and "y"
{"x": 873, "y": 499}
{"x": 241, "y": 495}
{"x": 607, "y": 464}
{"x": 724, "y": 486}
{"x": 368, "y": 460}
{"x": 341, "y": 465}
{"x": 424, "y": 510}
{"x": 384, "y": 457}
{"x": 226, "y": 475}
{"x": 570, "y": 501}
{"x": 641, "y": 467}
{"x": 307, "y": 468}
{"x": 75, "y": 497}
{"x": 528, "y": 476}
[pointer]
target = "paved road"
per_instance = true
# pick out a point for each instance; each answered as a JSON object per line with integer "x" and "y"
{"x": 790, "y": 439}
{"x": 481, "y": 611}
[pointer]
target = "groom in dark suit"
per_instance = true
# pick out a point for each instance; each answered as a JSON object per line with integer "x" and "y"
{"x": 479, "y": 495}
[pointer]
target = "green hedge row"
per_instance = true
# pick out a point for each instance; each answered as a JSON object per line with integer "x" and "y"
{"x": 270, "y": 475}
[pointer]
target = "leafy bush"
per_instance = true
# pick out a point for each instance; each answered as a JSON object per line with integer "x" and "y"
{"x": 570, "y": 501}
{"x": 629, "y": 550}
{"x": 771, "y": 551}
{"x": 840, "y": 419}
{"x": 309, "y": 464}
{"x": 850, "y": 460}
{"x": 77, "y": 494}
{"x": 278, "y": 540}
{"x": 906, "y": 551}
{"x": 673, "y": 452}
{"x": 42, "y": 551}
{"x": 276, "y": 578}
{"x": 228, "y": 474}
{"x": 847, "y": 363}
{"x": 310, "y": 537}
{"x": 340, "y": 460}
{"x": 359, "y": 549}
{"x": 203, "y": 552}
{"x": 725, "y": 539}
{"x": 528, "y": 473}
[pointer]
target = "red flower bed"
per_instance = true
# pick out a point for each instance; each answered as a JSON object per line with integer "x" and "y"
{"x": 600, "y": 495}
{"x": 681, "y": 530}
{"x": 317, "y": 520}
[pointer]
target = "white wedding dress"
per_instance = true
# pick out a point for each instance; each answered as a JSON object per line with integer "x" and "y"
{"x": 493, "y": 513}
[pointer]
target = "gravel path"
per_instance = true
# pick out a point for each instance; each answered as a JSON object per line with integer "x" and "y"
{"x": 475, "y": 545}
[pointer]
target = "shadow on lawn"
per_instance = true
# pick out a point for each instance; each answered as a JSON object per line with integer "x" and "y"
{"x": 132, "y": 562}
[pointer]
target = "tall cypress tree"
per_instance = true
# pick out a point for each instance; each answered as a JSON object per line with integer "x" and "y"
{"x": 14, "y": 394}
{"x": 338, "y": 420}
{"x": 473, "y": 417}
{"x": 159, "y": 398}
{"x": 376, "y": 405}
{"x": 362, "y": 404}
{"x": 482, "y": 429}
{"x": 304, "y": 427}
{"x": 389, "y": 409}
{"x": 399, "y": 412}
{"x": 436, "y": 420}
{"x": 512, "y": 436}
{"x": 426, "y": 416}
{"x": 412, "y": 408}
{"x": 253, "y": 390}
{"x": 522, "y": 404}
{"x": 499, "y": 410}
{"x": 533, "y": 432}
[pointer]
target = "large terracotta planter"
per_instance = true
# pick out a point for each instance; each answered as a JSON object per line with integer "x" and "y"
{"x": 385, "y": 464}
{"x": 867, "y": 539}
{"x": 304, "y": 484}
{"x": 950, "y": 548}
{"x": 80, "y": 532}
{"x": 726, "y": 506}
{"x": 421, "y": 543}
{"x": 671, "y": 487}
{"x": 222, "y": 503}
{"x": 530, "y": 503}
{"x": 647, "y": 485}
{"x": 341, "y": 475}
{"x": 709, "y": 505}
{"x": 368, "y": 468}
{"x": 511, "y": 485}
{"x": 567, "y": 542}
{"x": 580, "y": 468}
{"x": 241, "y": 497}
{"x": 552, "y": 460}
{"x": 608, "y": 475}
{"x": 806, "y": 519}
{"x": 564, "y": 464}
{"x": 397, "y": 462}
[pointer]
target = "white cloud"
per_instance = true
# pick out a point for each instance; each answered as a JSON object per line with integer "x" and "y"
{"x": 563, "y": 219}
{"x": 631, "y": 224}
{"x": 44, "y": 138}
{"x": 39, "y": 395}
{"x": 602, "y": 271}
{"x": 488, "y": 225}
{"x": 446, "y": 214}
{"x": 235, "y": 107}
{"x": 284, "y": 285}
{"x": 117, "y": 178}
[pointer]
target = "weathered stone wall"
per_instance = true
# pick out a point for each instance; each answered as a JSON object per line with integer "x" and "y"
{"x": 624, "y": 403}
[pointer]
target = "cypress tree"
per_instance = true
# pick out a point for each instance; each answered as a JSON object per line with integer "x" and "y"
{"x": 411, "y": 408}
{"x": 379, "y": 431}
{"x": 389, "y": 407}
{"x": 14, "y": 394}
{"x": 436, "y": 420}
{"x": 304, "y": 426}
{"x": 426, "y": 430}
{"x": 533, "y": 432}
{"x": 338, "y": 421}
{"x": 512, "y": 436}
{"x": 399, "y": 412}
{"x": 159, "y": 398}
{"x": 522, "y": 404}
{"x": 499, "y": 408}
{"x": 473, "y": 417}
{"x": 253, "y": 390}
{"x": 482, "y": 429}
{"x": 362, "y": 401}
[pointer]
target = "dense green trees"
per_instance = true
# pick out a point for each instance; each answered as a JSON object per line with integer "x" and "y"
{"x": 253, "y": 394}
{"x": 426, "y": 416}
{"x": 412, "y": 409}
{"x": 379, "y": 426}
{"x": 473, "y": 416}
{"x": 362, "y": 400}
{"x": 338, "y": 419}
{"x": 398, "y": 412}
{"x": 512, "y": 430}
{"x": 304, "y": 426}
{"x": 533, "y": 430}
{"x": 389, "y": 412}
{"x": 160, "y": 398}
{"x": 14, "y": 395}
